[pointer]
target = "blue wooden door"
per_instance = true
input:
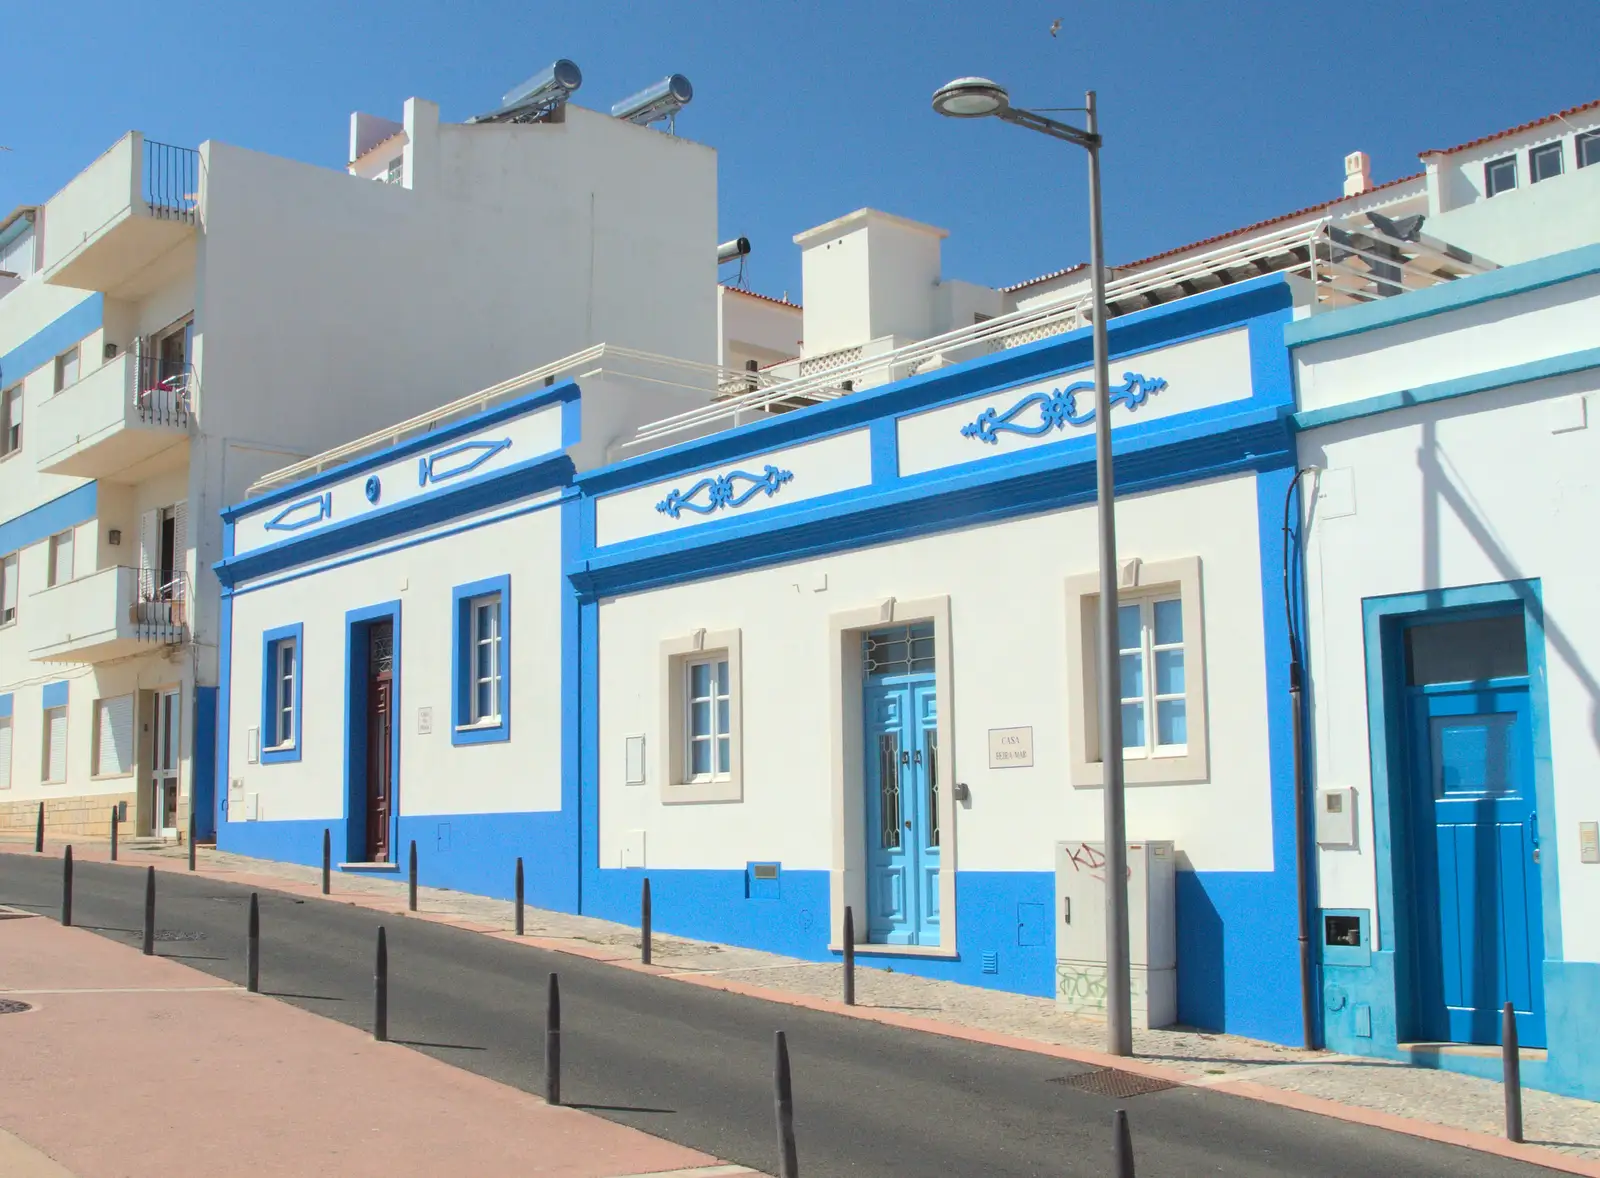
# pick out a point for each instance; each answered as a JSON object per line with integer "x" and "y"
{"x": 902, "y": 826}
{"x": 1480, "y": 912}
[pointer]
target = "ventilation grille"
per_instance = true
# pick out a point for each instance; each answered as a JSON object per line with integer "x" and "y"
{"x": 1111, "y": 1082}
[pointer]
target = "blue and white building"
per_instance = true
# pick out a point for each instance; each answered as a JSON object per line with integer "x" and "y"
{"x": 828, "y": 642}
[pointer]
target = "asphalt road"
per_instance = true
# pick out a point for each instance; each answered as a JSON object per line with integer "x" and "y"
{"x": 695, "y": 1065}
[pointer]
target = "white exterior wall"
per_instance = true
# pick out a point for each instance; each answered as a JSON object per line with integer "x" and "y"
{"x": 1006, "y": 588}
{"x": 751, "y": 327}
{"x": 433, "y": 776}
{"x": 1492, "y": 487}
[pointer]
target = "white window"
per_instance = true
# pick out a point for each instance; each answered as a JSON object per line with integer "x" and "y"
{"x": 1544, "y": 162}
{"x": 397, "y": 169}
{"x": 8, "y": 589}
{"x": 67, "y": 369}
{"x": 11, "y": 421}
{"x": 61, "y": 557}
{"x": 708, "y": 740}
{"x": 53, "y": 766}
{"x": 113, "y": 737}
{"x": 701, "y": 718}
{"x": 1154, "y": 703}
{"x": 486, "y": 660}
{"x": 5, "y": 752}
{"x": 1500, "y": 176}
{"x": 1161, "y": 659}
{"x": 1587, "y": 148}
{"x": 285, "y": 666}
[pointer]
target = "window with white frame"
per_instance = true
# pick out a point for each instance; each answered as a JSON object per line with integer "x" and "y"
{"x": 8, "y": 588}
{"x": 11, "y": 421}
{"x": 1500, "y": 176}
{"x": 61, "y": 557}
{"x": 1587, "y": 148}
{"x": 487, "y": 657}
{"x": 708, "y": 740}
{"x": 1545, "y": 161}
{"x": 53, "y": 746}
{"x": 481, "y": 678}
{"x": 701, "y": 718}
{"x": 1154, "y": 703}
{"x": 67, "y": 368}
{"x": 283, "y": 724}
{"x": 1161, "y": 660}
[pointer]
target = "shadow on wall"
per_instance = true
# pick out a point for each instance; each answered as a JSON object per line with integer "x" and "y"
{"x": 1202, "y": 971}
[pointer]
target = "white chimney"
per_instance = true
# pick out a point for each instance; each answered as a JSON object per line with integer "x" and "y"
{"x": 1357, "y": 173}
{"x": 865, "y": 276}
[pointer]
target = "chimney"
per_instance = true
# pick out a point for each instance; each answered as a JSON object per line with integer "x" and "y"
{"x": 1357, "y": 173}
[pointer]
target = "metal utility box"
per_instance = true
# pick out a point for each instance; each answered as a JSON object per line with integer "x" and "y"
{"x": 1080, "y": 920}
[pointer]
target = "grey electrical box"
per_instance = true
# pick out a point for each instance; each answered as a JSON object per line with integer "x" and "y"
{"x": 1336, "y": 817}
{"x": 1080, "y": 920}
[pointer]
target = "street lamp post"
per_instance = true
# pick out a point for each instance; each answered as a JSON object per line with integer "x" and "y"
{"x": 971, "y": 98}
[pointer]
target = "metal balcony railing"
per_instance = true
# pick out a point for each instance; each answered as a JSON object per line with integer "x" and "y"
{"x": 171, "y": 187}
{"x": 162, "y": 387}
{"x": 160, "y": 603}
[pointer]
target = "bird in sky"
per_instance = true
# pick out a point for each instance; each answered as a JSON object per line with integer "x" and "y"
{"x": 1055, "y": 26}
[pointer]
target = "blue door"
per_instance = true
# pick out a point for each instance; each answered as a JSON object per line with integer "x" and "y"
{"x": 900, "y": 713}
{"x": 1479, "y": 917}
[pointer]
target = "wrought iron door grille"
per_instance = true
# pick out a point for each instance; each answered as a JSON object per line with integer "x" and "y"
{"x": 381, "y": 656}
{"x": 899, "y": 650}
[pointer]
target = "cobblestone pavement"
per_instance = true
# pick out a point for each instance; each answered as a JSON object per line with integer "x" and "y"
{"x": 1442, "y": 1098}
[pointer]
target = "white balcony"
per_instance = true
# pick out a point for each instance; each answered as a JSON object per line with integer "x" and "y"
{"x": 106, "y": 615}
{"x": 125, "y": 415}
{"x": 110, "y": 225}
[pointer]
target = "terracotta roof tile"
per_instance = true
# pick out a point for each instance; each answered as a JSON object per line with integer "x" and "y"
{"x": 764, "y": 298}
{"x": 1517, "y": 130}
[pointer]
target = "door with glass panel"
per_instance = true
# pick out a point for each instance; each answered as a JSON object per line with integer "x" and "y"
{"x": 1155, "y": 720}
{"x": 900, "y": 714}
{"x": 165, "y": 757}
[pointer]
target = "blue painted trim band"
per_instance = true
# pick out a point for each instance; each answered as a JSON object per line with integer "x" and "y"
{"x": 1448, "y": 296}
{"x": 385, "y": 523}
{"x": 566, "y": 391}
{"x": 1444, "y": 390}
{"x": 357, "y": 652}
{"x": 1142, "y": 331}
{"x": 270, "y": 642}
{"x": 5, "y": 706}
{"x": 463, "y": 645}
{"x": 55, "y": 694}
{"x": 47, "y": 519}
{"x": 51, "y": 340}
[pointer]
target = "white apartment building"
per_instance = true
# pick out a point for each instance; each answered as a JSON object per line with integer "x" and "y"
{"x": 176, "y": 321}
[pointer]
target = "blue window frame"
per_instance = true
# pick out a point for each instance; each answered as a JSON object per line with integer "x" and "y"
{"x": 481, "y": 663}
{"x": 282, "y": 689}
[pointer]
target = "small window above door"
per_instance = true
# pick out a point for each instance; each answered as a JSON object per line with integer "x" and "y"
{"x": 1467, "y": 650}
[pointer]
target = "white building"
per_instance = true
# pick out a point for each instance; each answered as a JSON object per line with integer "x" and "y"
{"x": 177, "y": 321}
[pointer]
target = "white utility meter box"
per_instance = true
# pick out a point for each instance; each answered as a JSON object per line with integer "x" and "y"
{"x": 1080, "y": 921}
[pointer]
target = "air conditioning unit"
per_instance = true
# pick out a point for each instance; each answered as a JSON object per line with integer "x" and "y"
{"x": 1080, "y": 920}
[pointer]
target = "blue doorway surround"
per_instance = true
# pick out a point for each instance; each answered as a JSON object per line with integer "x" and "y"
{"x": 1469, "y": 907}
{"x": 358, "y": 631}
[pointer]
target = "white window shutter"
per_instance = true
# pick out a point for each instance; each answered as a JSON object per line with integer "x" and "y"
{"x": 5, "y": 752}
{"x": 114, "y": 735}
{"x": 149, "y": 550}
{"x": 55, "y": 766}
{"x": 8, "y": 584}
{"x": 180, "y": 538}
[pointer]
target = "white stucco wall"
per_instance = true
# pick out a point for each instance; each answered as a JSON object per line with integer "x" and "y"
{"x": 433, "y": 775}
{"x": 1008, "y": 623}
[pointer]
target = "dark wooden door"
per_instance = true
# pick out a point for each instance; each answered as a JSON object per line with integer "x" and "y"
{"x": 380, "y": 761}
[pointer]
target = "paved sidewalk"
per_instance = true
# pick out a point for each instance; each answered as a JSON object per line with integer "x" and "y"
{"x": 1376, "y": 1091}
{"x": 129, "y": 1066}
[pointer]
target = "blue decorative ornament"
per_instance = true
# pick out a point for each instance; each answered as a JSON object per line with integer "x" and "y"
{"x": 374, "y": 488}
{"x": 724, "y": 491}
{"x": 1059, "y": 408}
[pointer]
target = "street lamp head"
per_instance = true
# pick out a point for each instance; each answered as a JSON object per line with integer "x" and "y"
{"x": 970, "y": 98}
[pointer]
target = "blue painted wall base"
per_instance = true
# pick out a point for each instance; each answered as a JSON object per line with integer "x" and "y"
{"x": 477, "y": 853}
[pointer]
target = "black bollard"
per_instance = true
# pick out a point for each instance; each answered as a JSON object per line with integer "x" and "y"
{"x": 1122, "y": 1146}
{"x": 1511, "y": 1067}
{"x": 66, "y": 887}
{"x": 380, "y": 991}
{"x": 38, "y": 835}
{"x": 788, "y": 1162}
{"x": 552, "y": 1044}
{"x": 149, "y": 911}
{"x": 849, "y": 957}
{"x": 114, "y": 824}
{"x": 252, "y": 948}
{"x": 519, "y": 898}
{"x": 327, "y": 861}
{"x": 413, "y": 900}
{"x": 644, "y": 922}
{"x": 191, "y": 836}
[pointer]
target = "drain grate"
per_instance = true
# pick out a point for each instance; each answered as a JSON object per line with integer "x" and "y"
{"x": 172, "y": 934}
{"x": 12, "y": 1006}
{"x": 1111, "y": 1082}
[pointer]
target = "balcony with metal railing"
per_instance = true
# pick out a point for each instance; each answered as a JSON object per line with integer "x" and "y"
{"x": 107, "y": 615}
{"x": 127, "y": 418}
{"x": 120, "y": 215}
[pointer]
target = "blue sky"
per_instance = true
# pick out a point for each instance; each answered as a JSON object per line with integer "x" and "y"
{"x": 1215, "y": 114}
